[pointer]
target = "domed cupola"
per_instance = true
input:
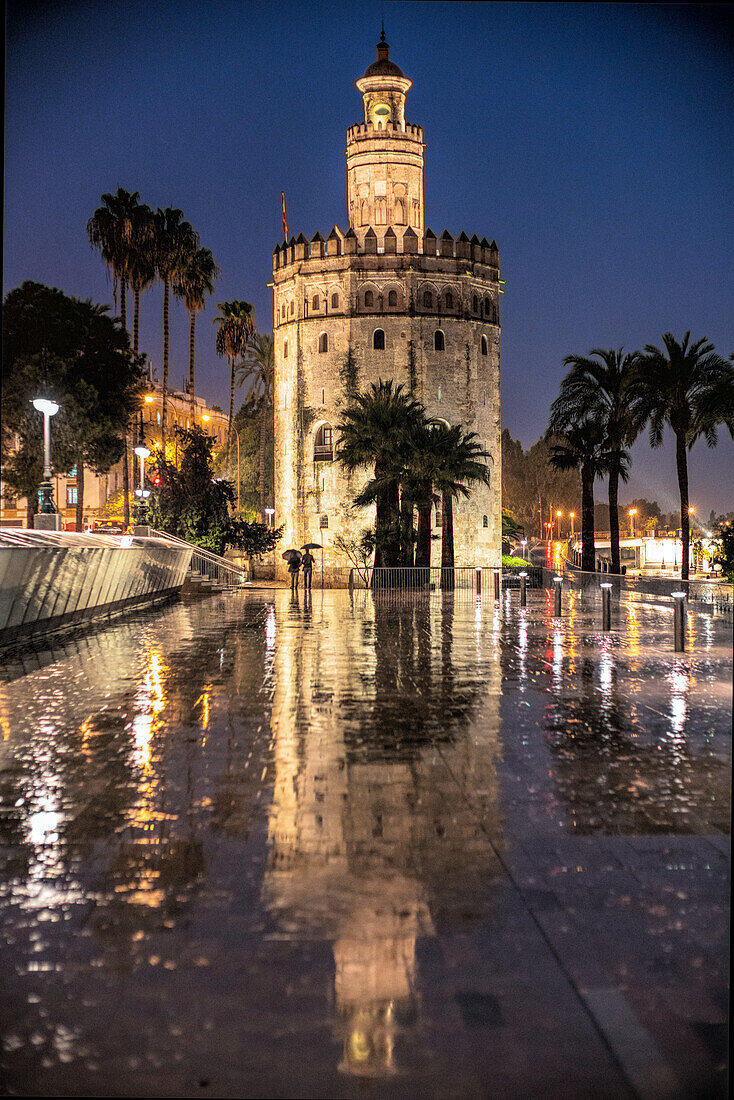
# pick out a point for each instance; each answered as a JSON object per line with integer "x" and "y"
{"x": 383, "y": 88}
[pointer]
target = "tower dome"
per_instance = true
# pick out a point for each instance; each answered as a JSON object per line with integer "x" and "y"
{"x": 383, "y": 88}
{"x": 383, "y": 66}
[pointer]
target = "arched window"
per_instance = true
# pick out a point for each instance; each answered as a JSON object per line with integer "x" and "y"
{"x": 427, "y": 299}
{"x": 369, "y": 299}
{"x": 439, "y": 343}
{"x": 484, "y": 345}
{"x": 378, "y": 340}
{"x": 439, "y": 517}
{"x": 449, "y": 300}
{"x": 323, "y": 342}
{"x": 282, "y": 312}
{"x": 392, "y": 298}
{"x": 323, "y": 444}
{"x": 315, "y": 302}
{"x": 293, "y": 308}
{"x": 323, "y": 522}
{"x": 475, "y": 304}
{"x": 487, "y": 308}
{"x": 365, "y": 218}
{"x": 399, "y": 213}
{"x": 335, "y": 301}
{"x": 285, "y": 349}
{"x": 485, "y": 521}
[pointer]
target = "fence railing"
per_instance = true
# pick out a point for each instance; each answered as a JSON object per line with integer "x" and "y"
{"x": 711, "y": 596}
{"x": 211, "y": 566}
{"x": 462, "y": 578}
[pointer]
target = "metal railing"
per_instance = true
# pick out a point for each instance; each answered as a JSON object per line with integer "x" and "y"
{"x": 462, "y": 578}
{"x": 714, "y": 597}
{"x": 211, "y": 566}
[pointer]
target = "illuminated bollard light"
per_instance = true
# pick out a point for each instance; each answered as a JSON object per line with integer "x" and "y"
{"x": 497, "y": 588}
{"x": 679, "y": 620}
{"x": 557, "y": 582}
{"x": 479, "y": 581}
{"x": 523, "y": 593}
{"x": 606, "y": 607}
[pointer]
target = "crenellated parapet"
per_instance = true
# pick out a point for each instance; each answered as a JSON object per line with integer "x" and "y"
{"x": 384, "y": 243}
{"x": 365, "y": 130}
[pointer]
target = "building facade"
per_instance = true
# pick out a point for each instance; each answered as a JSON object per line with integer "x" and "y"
{"x": 103, "y": 500}
{"x": 386, "y": 299}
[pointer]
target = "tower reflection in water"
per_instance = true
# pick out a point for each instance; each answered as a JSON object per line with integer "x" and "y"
{"x": 384, "y": 800}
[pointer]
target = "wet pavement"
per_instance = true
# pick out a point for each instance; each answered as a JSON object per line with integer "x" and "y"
{"x": 401, "y": 846}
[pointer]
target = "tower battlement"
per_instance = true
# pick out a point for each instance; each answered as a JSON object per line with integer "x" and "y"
{"x": 405, "y": 242}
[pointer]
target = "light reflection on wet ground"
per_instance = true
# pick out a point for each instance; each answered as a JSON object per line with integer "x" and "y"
{"x": 263, "y": 848}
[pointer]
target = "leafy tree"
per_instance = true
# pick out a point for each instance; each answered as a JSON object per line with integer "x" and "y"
{"x": 725, "y": 551}
{"x": 359, "y": 551}
{"x": 258, "y": 369}
{"x": 373, "y": 429}
{"x": 584, "y": 446}
{"x": 175, "y": 242}
{"x": 689, "y": 387}
{"x": 600, "y": 388}
{"x": 192, "y": 283}
{"x": 193, "y": 504}
{"x": 463, "y": 464}
{"x": 531, "y": 485}
{"x": 235, "y": 326}
{"x": 71, "y": 351}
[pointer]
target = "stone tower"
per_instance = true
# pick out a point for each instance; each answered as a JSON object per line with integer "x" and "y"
{"x": 386, "y": 299}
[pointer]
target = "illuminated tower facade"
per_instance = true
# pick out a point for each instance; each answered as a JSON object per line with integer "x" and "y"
{"x": 385, "y": 299}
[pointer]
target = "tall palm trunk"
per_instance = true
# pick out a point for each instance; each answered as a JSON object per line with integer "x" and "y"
{"x": 382, "y": 520}
{"x": 231, "y": 405}
{"x": 125, "y": 441}
{"x": 406, "y": 531}
{"x": 447, "y": 541}
{"x": 166, "y": 334}
{"x": 136, "y": 320}
{"x": 588, "y": 557}
{"x": 80, "y": 492}
{"x": 192, "y": 364}
{"x": 31, "y": 508}
{"x": 423, "y": 544}
{"x": 614, "y": 515}
{"x": 681, "y": 462}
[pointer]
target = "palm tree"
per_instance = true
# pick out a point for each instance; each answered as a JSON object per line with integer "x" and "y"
{"x": 236, "y": 323}
{"x": 373, "y": 431}
{"x": 193, "y": 281}
{"x": 175, "y": 242}
{"x": 141, "y": 262}
{"x": 600, "y": 390}
{"x": 258, "y": 368}
{"x": 112, "y": 230}
{"x": 460, "y": 464}
{"x": 584, "y": 445}
{"x": 691, "y": 388}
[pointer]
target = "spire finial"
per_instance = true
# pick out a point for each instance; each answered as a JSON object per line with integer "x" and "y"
{"x": 382, "y": 35}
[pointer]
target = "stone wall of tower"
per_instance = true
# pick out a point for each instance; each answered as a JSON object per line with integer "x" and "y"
{"x": 323, "y": 312}
{"x": 384, "y": 178}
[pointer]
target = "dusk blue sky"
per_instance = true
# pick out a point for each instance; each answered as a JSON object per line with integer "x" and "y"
{"x": 594, "y": 142}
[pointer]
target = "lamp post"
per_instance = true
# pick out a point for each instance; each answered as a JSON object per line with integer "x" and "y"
{"x": 270, "y": 512}
{"x": 572, "y": 516}
{"x": 632, "y": 513}
{"x": 142, "y": 493}
{"x": 48, "y": 508}
{"x": 524, "y": 544}
{"x": 559, "y": 513}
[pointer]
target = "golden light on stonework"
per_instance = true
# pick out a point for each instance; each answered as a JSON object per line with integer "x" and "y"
{"x": 149, "y": 399}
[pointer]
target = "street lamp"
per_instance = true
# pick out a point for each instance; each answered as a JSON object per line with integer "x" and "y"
{"x": 572, "y": 516}
{"x": 559, "y": 513}
{"x": 270, "y": 512}
{"x": 49, "y": 409}
{"x": 632, "y": 513}
{"x": 142, "y": 493}
{"x": 524, "y": 544}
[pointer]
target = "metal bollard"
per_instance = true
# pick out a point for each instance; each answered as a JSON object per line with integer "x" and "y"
{"x": 523, "y": 593}
{"x": 479, "y": 581}
{"x": 679, "y": 621}
{"x": 557, "y": 582}
{"x": 497, "y": 586}
{"x": 606, "y": 607}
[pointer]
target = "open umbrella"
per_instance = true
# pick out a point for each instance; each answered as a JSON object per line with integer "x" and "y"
{"x": 291, "y": 555}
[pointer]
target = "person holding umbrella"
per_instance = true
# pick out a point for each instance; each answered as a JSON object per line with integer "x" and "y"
{"x": 293, "y": 557}
{"x": 307, "y": 563}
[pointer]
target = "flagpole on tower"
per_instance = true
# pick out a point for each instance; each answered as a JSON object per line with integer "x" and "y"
{"x": 283, "y": 216}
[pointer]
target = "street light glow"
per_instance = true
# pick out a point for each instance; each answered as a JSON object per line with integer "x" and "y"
{"x": 48, "y": 408}
{"x": 149, "y": 399}
{"x": 142, "y": 451}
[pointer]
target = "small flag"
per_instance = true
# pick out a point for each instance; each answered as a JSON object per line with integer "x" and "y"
{"x": 283, "y": 216}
